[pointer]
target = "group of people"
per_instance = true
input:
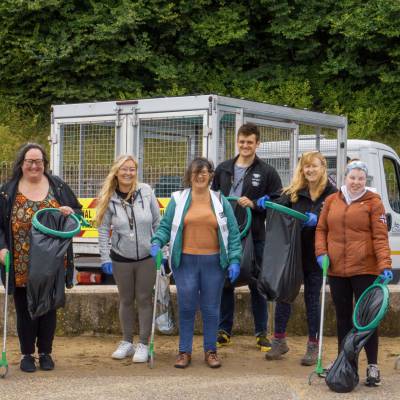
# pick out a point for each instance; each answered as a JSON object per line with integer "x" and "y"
{"x": 347, "y": 224}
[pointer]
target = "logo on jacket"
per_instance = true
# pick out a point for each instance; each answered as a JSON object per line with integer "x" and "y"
{"x": 256, "y": 180}
{"x": 382, "y": 218}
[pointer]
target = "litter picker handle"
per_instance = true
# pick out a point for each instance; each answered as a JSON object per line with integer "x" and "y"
{"x": 248, "y": 217}
{"x": 325, "y": 265}
{"x": 159, "y": 258}
{"x": 7, "y": 262}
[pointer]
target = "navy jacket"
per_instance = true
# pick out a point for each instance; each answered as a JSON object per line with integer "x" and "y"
{"x": 260, "y": 179}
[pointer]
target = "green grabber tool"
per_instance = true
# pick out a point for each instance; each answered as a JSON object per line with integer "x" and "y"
{"x": 246, "y": 228}
{"x": 159, "y": 258}
{"x": 319, "y": 370}
{"x": 3, "y": 361}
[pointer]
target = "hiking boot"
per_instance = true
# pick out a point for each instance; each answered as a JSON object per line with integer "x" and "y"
{"x": 263, "y": 343}
{"x": 141, "y": 353}
{"x": 223, "y": 339}
{"x": 183, "y": 360}
{"x": 278, "y": 348}
{"x": 124, "y": 349}
{"x": 311, "y": 356}
{"x": 46, "y": 363}
{"x": 27, "y": 363}
{"x": 211, "y": 358}
{"x": 373, "y": 376}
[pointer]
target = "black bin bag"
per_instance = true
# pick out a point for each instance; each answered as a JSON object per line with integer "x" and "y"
{"x": 343, "y": 376}
{"x": 46, "y": 279}
{"x": 281, "y": 272}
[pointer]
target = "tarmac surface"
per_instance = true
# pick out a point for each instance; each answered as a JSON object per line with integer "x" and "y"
{"x": 84, "y": 370}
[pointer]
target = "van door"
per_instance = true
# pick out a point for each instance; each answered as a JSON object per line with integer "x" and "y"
{"x": 391, "y": 199}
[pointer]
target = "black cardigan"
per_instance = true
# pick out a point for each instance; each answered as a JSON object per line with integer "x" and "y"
{"x": 65, "y": 197}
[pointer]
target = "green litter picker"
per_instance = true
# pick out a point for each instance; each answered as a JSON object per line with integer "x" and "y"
{"x": 319, "y": 370}
{"x": 3, "y": 361}
{"x": 159, "y": 258}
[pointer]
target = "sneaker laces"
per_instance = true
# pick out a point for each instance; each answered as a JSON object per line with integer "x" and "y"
{"x": 212, "y": 355}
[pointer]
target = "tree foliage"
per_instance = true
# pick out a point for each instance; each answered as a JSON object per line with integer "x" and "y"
{"x": 339, "y": 56}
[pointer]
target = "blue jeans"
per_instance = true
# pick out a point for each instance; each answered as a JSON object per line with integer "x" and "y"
{"x": 258, "y": 302}
{"x": 199, "y": 281}
{"x": 312, "y": 290}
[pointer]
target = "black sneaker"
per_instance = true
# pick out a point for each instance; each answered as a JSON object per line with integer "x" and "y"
{"x": 373, "y": 376}
{"x": 46, "y": 362}
{"x": 27, "y": 363}
{"x": 263, "y": 343}
{"x": 223, "y": 339}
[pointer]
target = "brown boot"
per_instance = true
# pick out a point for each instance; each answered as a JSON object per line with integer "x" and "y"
{"x": 211, "y": 358}
{"x": 182, "y": 360}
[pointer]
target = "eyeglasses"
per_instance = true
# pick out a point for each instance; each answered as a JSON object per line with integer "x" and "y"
{"x": 126, "y": 170}
{"x": 38, "y": 162}
{"x": 201, "y": 173}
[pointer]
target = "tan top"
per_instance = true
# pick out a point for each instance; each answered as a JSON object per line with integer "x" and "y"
{"x": 200, "y": 228}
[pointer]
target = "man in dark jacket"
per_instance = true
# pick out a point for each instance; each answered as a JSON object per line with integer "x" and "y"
{"x": 248, "y": 177}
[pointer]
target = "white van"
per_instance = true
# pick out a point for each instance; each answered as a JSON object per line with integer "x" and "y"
{"x": 383, "y": 175}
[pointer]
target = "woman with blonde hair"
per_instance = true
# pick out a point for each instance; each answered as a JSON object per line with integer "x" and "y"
{"x": 306, "y": 193}
{"x": 130, "y": 210}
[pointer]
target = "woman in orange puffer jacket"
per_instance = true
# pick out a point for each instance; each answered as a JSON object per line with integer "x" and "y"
{"x": 352, "y": 231}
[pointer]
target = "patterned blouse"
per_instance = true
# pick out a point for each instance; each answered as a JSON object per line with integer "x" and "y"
{"x": 21, "y": 222}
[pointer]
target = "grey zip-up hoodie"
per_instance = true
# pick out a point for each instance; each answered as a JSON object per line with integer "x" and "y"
{"x": 146, "y": 217}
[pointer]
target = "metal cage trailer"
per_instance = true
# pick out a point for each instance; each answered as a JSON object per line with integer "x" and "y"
{"x": 165, "y": 134}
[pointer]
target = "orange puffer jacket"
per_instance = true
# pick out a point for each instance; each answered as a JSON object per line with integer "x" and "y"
{"x": 354, "y": 236}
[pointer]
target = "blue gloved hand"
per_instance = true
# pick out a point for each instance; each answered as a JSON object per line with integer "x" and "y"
{"x": 320, "y": 259}
{"x": 154, "y": 249}
{"x": 233, "y": 272}
{"x": 312, "y": 219}
{"x": 261, "y": 201}
{"x": 387, "y": 274}
{"x": 107, "y": 268}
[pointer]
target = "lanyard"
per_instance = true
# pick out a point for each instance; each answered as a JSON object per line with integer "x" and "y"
{"x": 124, "y": 204}
{"x": 240, "y": 180}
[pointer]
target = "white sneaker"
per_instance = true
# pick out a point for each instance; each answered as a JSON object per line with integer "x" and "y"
{"x": 124, "y": 349}
{"x": 141, "y": 353}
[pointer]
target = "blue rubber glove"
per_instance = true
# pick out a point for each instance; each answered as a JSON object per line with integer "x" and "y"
{"x": 387, "y": 274}
{"x": 320, "y": 260}
{"x": 107, "y": 268}
{"x": 261, "y": 201}
{"x": 154, "y": 249}
{"x": 312, "y": 219}
{"x": 233, "y": 272}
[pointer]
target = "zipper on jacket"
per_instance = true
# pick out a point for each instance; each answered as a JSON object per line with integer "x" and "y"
{"x": 134, "y": 223}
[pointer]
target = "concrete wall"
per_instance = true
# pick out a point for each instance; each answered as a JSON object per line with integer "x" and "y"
{"x": 94, "y": 310}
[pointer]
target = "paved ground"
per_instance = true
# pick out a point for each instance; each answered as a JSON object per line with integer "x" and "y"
{"x": 85, "y": 371}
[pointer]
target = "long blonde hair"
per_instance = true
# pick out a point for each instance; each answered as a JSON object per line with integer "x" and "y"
{"x": 110, "y": 184}
{"x": 299, "y": 181}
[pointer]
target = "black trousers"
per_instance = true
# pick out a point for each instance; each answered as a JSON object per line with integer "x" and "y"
{"x": 342, "y": 291}
{"x": 39, "y": 331}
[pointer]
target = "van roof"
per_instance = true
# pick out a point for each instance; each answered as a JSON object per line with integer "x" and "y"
{"x": 327, "y": 146}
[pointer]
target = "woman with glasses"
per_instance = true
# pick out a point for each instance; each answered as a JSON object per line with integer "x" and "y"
{"x": 352, "y": 231}
{"x": 31, "y": 188}
{"x": 128, "y": 209}
{"x": 306, "y": 193}
{"x": 204, "y": 243}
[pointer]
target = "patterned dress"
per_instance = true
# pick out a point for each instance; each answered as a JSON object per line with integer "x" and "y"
{"x": 21, "y": 222}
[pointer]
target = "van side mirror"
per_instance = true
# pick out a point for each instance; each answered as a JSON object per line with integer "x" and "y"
{"x": 389, "y": 221}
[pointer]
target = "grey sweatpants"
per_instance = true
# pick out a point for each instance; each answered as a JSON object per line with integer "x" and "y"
{"x": 135, "y": 281}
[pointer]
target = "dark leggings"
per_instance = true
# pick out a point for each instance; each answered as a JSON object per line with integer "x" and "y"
{"x": 312, "y": 289}
{"x": 342, "y": 292}
{"x": 40, "y": 330}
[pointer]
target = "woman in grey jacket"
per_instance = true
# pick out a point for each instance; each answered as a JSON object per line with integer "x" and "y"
{"x": 130, "y": 210}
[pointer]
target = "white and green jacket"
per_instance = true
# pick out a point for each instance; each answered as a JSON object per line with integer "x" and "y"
{"x": 170, "y": 229}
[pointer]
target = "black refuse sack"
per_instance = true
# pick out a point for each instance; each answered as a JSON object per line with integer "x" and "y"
{"x": 343, "y": 376}
{"x": 281, "y": 272}
{"x": 46, "y": 280}
{"x": 249, "y": 268}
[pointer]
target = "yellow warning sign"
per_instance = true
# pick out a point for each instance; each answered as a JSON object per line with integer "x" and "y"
{"x": 89, "y": 213}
